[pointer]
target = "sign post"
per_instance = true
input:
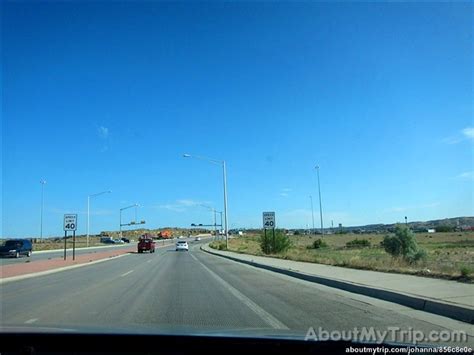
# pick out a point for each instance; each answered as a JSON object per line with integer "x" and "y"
{"x": 70, "y": 224}
{"x": 269, "y": 223}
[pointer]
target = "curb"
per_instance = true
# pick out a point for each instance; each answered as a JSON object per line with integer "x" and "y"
{"x": 52, "y": 271}
{"x": 418, "y": 303}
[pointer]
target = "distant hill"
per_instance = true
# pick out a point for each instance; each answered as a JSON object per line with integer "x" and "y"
{"x": 457, "y": 222}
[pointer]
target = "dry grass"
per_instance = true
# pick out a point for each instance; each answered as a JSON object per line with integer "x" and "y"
{"x": 449, "y": 255}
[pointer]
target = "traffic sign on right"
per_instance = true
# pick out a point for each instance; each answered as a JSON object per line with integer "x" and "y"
{"x": 268, "y": 220}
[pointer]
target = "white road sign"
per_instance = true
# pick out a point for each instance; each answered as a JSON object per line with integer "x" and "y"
{"x": 268, "y": 220}
{"x": 70, "y": 222}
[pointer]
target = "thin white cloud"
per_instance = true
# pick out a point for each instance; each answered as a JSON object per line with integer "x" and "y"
{"x": 468, "y": 175}
{"x": 468, "y": 132}
{"x": 103, "y": 132}
{"x": 465, "y": 134}
{"x": 452, "y": 140}
{"x": 172, "y": 207}
{"x": 284, "y": 192}
{"x": 181, "y": 205}
{"x": 188, "y": 203}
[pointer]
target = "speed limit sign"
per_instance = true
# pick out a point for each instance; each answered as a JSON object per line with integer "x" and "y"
{"x": 70, "y": 222}
{"x": 268, "y": 220}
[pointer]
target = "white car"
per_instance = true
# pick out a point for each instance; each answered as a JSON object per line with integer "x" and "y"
{"x": 182, "y": 245}
{"x": 197, "y": 239}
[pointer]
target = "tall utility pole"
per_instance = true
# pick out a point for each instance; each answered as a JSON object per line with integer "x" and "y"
{"x": 224, "y": 175}
{"x": 42, "y": 182}
{"x": 320, "y": 204}
{"x": 225, "y": 206}
{"x": 312, "y": 211}
{"x": 89, "y": 207}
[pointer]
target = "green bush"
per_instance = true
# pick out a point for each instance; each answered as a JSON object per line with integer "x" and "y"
{"x": 414, "y": 257}
{"x": 218, "y": 245}
{"x": 319, "y": 243}
{"x": 358, "y": 243}
{"x": 444, "y": 229}
{"x": 465, "y": 271}
{"x": 404, "y": 244}
{"x": 274, "y": 245}
{"x": 392, "y": 245}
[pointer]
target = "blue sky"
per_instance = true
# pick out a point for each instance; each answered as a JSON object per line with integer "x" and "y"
{"x": 99, "y": 96}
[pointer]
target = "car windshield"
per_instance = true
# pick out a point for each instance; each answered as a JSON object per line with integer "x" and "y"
{"x": 12, "y": 243}
{"x": 300, "y": 169}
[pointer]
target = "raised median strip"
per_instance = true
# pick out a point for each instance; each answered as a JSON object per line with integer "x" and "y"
{"x": 441, "y": 305}
{"x": 57, "y": 269}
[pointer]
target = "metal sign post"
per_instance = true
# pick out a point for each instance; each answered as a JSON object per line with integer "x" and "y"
{"x": 70, "y": 224}
{"x": 65, "y": 237}
{"x": 269, "y": 222}
{"x": 273, "y": 231}
{"x": 74, "y": 245}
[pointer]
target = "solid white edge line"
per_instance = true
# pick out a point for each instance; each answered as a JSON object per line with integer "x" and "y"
{"x": 264, "y": 315}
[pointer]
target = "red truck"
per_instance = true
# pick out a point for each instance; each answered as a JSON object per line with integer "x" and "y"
{"x": 146, "y": 243}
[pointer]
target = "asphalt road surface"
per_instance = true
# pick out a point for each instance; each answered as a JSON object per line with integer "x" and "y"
{"x": 195, "y": 292}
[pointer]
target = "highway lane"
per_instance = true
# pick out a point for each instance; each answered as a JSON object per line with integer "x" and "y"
{"x": 197, "y": 292}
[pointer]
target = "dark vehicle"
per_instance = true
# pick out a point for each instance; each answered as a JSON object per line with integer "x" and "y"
{"x": 125, "y": 240}
{"x": 146, "y": 243}
{"x": 16, "y": 248}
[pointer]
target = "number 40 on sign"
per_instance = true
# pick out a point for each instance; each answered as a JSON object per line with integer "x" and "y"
{"x": 268, "y": 220}
{"x": 70, "y": 222}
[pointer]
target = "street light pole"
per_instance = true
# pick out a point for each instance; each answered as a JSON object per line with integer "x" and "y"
{"x": 214, "y": 211}
{"x": 312, "y": 211}
{"x": 88, "y": 210}
{"x": 320, "y": 204}
{"x": 221, "y": 225}
{"x": 42, "y": 182}
{"x": 225, "y": 207}
{"x": 124, "y": 208}
{"x": 215, "y": 225}
{"x": 224, "y": 173}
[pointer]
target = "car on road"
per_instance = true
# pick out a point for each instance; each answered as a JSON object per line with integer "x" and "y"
{"x": 16, "y": 248}
{"x": 182, "y": 245}
{"x": 197, "y": 239}
{"x": 125, "y": 240}
{"x": 118, "y": 241}
{"x": 146, "y": 243}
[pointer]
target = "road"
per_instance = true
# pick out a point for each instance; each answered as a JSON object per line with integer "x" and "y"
{"x": 196, "y": 292}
